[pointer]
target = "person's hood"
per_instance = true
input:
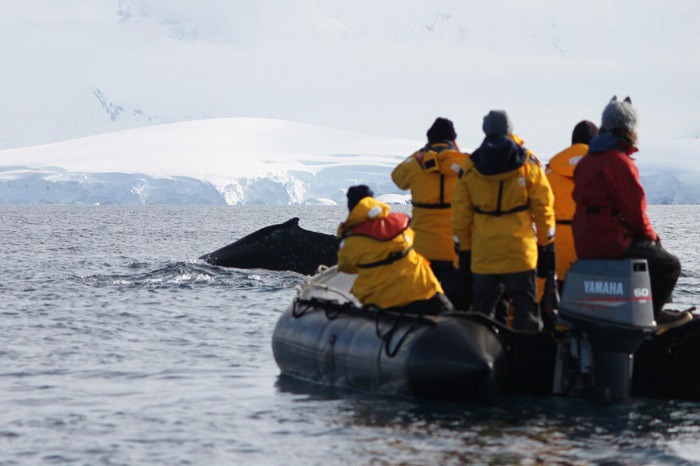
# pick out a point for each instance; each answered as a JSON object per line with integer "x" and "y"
{"x": 443, "y": 157}
{"x": 367, "y": 209}
{"x": 499, "y": 157}
{"x": 517, "y": 139}
{"x": 565, "y": 161}
{"x": 606, "y": 141}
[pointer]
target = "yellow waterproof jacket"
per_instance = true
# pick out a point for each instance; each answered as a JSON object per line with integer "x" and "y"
{"x": 560, "y": 172}
{"x": 431, "y": 175}
{"x": 501, "y": 191}
{"x": 368, "y": 237}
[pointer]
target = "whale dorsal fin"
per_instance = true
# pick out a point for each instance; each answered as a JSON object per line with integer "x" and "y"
{"x": 291, "y": 223}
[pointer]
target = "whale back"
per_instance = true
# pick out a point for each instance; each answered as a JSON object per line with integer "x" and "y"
{"x": 285, "y": 246}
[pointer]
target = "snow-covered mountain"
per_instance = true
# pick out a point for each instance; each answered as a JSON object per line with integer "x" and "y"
{"x": 83, "y": 67}
{"x": 258, "y": 161}
{"x": 223, "y": 161}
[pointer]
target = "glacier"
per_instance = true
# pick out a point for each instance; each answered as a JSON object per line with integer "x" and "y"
{"x": 235, "y": 161}
{"x": 254, "y": 161}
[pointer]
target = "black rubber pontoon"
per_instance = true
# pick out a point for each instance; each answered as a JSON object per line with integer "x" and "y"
{"x": 326, "y": 337}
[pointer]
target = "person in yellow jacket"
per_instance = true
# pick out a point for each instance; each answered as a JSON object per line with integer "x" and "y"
{"x": 377, "y": 245}
{"x": 431, "y": 175}
{"x": 501, "y": 191}
{"x": 560, "y": 173}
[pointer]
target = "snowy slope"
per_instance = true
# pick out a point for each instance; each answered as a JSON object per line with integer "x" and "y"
{"x": 258, "y": 161}
{"x": 669, "y": 171}
{"x": 234, "y": 161}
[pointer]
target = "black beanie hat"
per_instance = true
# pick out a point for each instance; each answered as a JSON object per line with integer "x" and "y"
{"x": 442, "y": 130}
{"x": 584, "y": 132}
{"x": 357, "y": 193}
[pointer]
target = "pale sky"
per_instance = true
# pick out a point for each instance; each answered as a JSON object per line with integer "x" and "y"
{"x": 385, "y": 68}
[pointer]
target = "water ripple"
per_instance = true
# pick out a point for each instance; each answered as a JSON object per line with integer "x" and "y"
{"x": 119, "y": 347}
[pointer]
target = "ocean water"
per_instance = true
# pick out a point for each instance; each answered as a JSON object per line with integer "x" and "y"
{"x": 119, "y": 347}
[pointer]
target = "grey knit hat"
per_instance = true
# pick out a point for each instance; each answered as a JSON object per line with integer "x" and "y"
{"x": 497, "y": 123}
{"x": 619, "y": 115}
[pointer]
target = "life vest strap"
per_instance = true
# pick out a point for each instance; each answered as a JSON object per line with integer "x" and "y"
{"x": 564, "y": 222}
{"x": 438, "y": 205}
{"x": 498, "y": 213}
{"x": 391, "y": 258}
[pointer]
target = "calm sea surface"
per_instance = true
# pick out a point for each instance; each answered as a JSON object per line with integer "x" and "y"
{"x": 118, "y": 347}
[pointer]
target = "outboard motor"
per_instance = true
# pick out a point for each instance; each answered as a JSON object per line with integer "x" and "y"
{"x": 607, "y": 308}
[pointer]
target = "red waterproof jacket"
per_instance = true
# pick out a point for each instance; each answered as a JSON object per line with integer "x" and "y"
{"x": 610, "y": 202}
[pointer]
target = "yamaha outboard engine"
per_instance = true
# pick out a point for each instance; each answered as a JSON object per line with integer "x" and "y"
{"x": 607, "y": 308}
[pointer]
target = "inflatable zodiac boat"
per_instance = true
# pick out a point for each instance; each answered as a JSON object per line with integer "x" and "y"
{"x": 606, "y": 346}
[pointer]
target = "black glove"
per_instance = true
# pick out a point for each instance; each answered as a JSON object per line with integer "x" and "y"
{"x": 465, "y": 262}
{"x": 546, "y": 260}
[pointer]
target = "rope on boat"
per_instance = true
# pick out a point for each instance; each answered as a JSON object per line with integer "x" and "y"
{"x": 418, "y": 321}
{"x": 304, "y": 288}
{"x": 333, "y": 310}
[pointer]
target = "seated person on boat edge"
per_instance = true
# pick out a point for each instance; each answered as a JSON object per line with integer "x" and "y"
{"x": 377, "y": 245}
{"x": 431, "y": 175}
{"x": 610, "y": 221}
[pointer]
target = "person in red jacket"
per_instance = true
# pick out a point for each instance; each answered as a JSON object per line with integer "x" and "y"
{"x": 610, "y": 221}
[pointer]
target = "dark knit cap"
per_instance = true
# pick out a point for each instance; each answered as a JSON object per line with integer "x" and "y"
{"x": 497, "y": 123}
{"x": 442, "y": 130}
{"x": 357, "y": 193}
{"x": 584, "y": 132}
